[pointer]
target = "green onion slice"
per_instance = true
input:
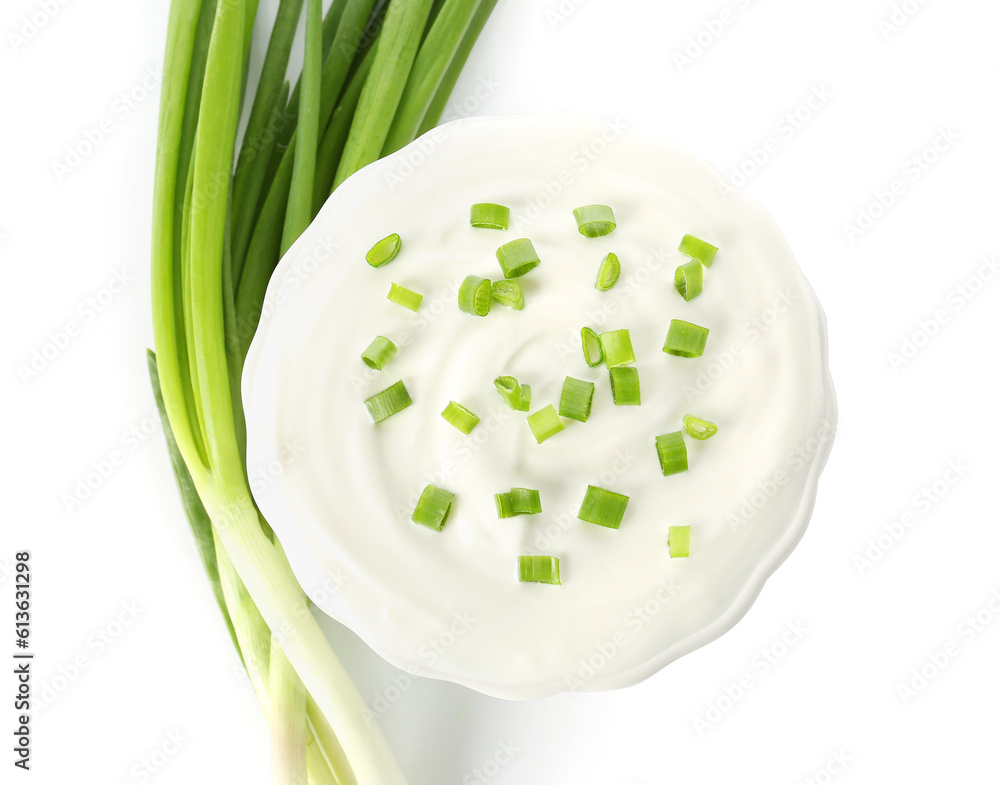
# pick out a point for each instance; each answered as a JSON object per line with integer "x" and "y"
{"x": 433, "y": 507}
{"x": 617, "y": 348}
{"x": 517, "y": 257}
{"x": 672, "y": 452}
{"x": 679, "y": 541}
{"x": 688, "y": 279}
{"x": 538, "y": 569}
{"x": 595, "y": 220}
{"x": 607, "y": 277}
{"x": 698, "y": 428}
{"x": 512, "y": 392}
{"x": 384, "y": 404}
{"x": 685, "y": 339}
{"x": 697, "y": 249}
{"x": 518, "y": 501}
{"x": 577, "y": 396}
{"x": 379, "y": 352}
{"x": 603, "y": 507}
{"x": 508, "y": 293}
{"x": 545, "y": 423}
{"x": 490, "y": 216}
{"x": 625, "y": 386}
{"x": 525, "y": 403}
{"x": 474, "y": 295}
{"x": 384, "y": 251}
{"x": 460, "y": 417}
{"x": 405, "y": 297}
{"x": 593, "y": 352}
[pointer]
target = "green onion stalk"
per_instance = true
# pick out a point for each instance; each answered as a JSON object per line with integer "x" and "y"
{"x": 374, "y": 76}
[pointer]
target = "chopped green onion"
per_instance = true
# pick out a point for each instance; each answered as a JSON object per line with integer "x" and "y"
{"x": 460, "y": 417}
{"x": 516, "y": 396}
{"x": 679, "y": 541}
{"x": 685, "y": 339}
{"x": 525, "y": 403}
{"x": 384, "y": 251}
{"x": 603, "y": 507}
{"x": 508, "y": 293}
{"x": 538, "y": 569}
{"x": 545, "y": 423}
{"x": 610, "y": 270}
{"x": 688, "y": 279}
{"x": 509, "y": 390}
{"x": 433, "y": 507}
{"x": 405, "y": 297}
{"x": 625, "y": 386}
{"x": 576, "y": 399}
{"x": 490, "y": 216}
{"x": 698, "y": 428}
{"x": 386, "y": 403}
{"x": 617, "y": 349}
{"x": 672, "y": 452}
{"x": 517, "y": 257}
{"x": 518, "y": 501}
{"x": 697, "y": 249}
{"x": 593, "y": 352}
{"x": 379, "y": 352}
{"x": 595, "y": 220}
{"x": 474, "y": 295}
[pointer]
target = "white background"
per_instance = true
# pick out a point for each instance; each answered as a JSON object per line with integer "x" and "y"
{"x": 171, "y": 669}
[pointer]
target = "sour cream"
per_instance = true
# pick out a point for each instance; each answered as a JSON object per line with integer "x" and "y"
{"x": 339, "y": 490}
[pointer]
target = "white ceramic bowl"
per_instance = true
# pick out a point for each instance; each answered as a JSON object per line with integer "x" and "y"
{"x": 338, "y": 490}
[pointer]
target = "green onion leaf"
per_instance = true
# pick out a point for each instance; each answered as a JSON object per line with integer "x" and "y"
{"x": 384, "y": 251}
{"x": 433, "y": 507}
{"x": 610, "y": 270}
{"x": 517, "y": 257}
{"x": 405, "y": 297}
{"x": 386, "y": 403}
{"x": 625, "y": 386}
{"x": 194, "y": 508}
{"x": 460, "y": 417}
{"x": 545, "y": 423}
{"x": 379, "y": 352}
{"x": 518, "y": 501}
{"x": 474, "y": 295}
{"x": 538, "y": 569}
{"x": 508, "y": 293}
{"x": 446, "y": 26}
{"x": 595, "y": 220}
{"x": 616, "y": 346}
{"x": 435, "y": 107}
{"x": 688, "y": 279}
{"x": 259, "y": 138}
{"x": 331, "y": 145}
{"x": 395, "y": 52}
{"x": 603, "y": 507}
{"x": 685, "y": 339}
{"x": 490, "y": 216}
{"x": 679, "y": 541}
{"x": 697, "y": 249}
{"x": 576, "y": 399}
{"x": 298, "y": 212}
{"x": 672, "y": 452}
{"x": 698, "y": 428}
{"x": 593, "y": 352}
